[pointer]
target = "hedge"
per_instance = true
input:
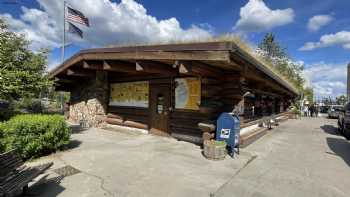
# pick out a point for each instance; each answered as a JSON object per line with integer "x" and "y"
{"x": 34, "y": 135}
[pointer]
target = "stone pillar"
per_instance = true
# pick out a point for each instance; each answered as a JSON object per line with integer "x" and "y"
{"x": 101, "y": 95}
{"x": 89, "y": 100}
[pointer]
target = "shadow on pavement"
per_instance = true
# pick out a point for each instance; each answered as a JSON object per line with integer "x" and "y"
{"x": 330, "y": 129}
{"x": 47, "y": 187}
{"x": 340, "y": 147}
{"x": 73, "y": 144}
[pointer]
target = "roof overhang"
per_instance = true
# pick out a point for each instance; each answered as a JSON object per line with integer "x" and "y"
{"x": 208, "y": 52}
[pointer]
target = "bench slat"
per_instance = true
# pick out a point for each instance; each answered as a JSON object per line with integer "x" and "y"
{"x": 14, "y": 175}
{"x": 9, "y": 161}
{"x": 24, "y": 177}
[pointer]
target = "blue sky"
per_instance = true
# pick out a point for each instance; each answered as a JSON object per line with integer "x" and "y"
{"x": 314, "y": 32}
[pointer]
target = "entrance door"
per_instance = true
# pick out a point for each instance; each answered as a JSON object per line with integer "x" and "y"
{"x": 159, "y": 106}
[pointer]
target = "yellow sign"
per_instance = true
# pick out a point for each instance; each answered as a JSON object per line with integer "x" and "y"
{"x": 187, "y": 93}
{"x": 132, "y": 94}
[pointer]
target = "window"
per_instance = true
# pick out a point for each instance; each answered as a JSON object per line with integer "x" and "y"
{"x": 187, "y": 93}
{"x": 129, "y": 94}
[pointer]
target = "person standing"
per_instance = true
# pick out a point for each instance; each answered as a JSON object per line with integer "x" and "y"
{"x": 306, "y": 110}
{"x": 316, "y": 111}
{"x": 311, "y": 108}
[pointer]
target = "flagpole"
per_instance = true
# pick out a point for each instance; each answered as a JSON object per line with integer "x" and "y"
{"x": 64, "y": 31}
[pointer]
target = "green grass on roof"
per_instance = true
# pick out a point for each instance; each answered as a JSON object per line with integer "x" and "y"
{"x": 243, "y": 45}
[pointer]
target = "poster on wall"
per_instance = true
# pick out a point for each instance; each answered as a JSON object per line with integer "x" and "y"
{"x": 129, "y": 94}
{"x": 187, "y": 93}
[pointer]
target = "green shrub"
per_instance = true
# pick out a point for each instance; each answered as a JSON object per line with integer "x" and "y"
{"x": 7, "y": 111}
{"x": 31, "y": 105}
{"x": 2, "y": 145}
{"x": 35, "y": 135}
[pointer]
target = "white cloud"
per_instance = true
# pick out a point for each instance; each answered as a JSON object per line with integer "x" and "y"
{"x": 316, "y": 22}
{"x": 126, "y": 22}
{"x": 255, "y": 16}
{"x": 341, "y": 38}
{"x": 327, "y": 79}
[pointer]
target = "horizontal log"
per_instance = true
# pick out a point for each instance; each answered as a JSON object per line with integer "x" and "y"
{"x": 162, "y": 55}
{"x": 213, "y": 87}
{"x": 114, "y": 121}
{"x": 210, "y": 81}
{"x": 185, "y": 131}
{"x": 207, "y": 93}
{"x": 190, "y": 115}
{"x": 184, "y": 126}
{"x": 188, "y": 138}
{"x": 230, "y": 85}
{"x": 135, "y": 124}
{"x": 127, "y": 123}
{"x": 128, "y": 110}
{"x": 206, "y": 127}
{"x": 231, "y": 91}
{"x": 142, "y": 119}
{"x": 109, "y": 115}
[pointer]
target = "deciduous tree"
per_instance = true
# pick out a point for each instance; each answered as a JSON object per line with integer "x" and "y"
{"x": 22, "y": 71}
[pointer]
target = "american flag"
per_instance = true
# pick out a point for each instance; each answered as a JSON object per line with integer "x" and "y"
{"x": 75, "y": 30}
{"x": 76, "y": 16}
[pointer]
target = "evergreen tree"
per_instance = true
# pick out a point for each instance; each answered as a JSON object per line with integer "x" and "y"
{"x": 272, "y": 47}
{"x": 272, "y": 52}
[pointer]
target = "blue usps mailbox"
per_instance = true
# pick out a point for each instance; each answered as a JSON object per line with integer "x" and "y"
{"x": 227, "y": 129}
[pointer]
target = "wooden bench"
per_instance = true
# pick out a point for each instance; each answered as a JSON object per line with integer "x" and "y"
{"x": 15, "y": 176}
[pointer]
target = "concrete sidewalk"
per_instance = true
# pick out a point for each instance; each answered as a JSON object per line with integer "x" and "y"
{"x": 125, "y": 164}
{"x": 300, "y": 158}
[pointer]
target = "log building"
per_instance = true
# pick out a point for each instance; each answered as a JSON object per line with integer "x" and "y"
{"x": 169, "y": 89}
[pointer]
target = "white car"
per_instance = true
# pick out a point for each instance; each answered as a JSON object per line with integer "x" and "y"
{"x": 334, "y": 111}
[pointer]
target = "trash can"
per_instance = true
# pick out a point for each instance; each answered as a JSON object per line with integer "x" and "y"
{"x": 228, "y": 130}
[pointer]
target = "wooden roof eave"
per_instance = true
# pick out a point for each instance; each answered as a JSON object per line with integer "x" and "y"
{"x": 248, "y": 58}
{"x": 143, "y": 55}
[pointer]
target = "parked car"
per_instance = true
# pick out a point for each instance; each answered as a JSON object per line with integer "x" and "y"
{"x": 324, "y": 109}
{"x": 334, "y": 110}
{"x": 344, "y": 121}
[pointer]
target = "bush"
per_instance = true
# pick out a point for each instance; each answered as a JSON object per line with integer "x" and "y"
{"x": 35, "y": 135}
{"x": 2, "y": 146}
{"x": 30, "y": 105}
{"x": 6, "y": 110}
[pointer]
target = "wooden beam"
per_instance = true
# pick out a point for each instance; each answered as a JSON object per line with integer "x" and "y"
{"x": 119, "y": 66}
{"x": 198, "y": 69}
{"x": 80, "y": 73}
{"x": 93, "y": 65}
{"x": 161, "y": 55}
{"x": 205, "y": 69}
{"x": 223, "y": 56}
{"x": 63, "y": 80}
{"x": 155, "y": 67}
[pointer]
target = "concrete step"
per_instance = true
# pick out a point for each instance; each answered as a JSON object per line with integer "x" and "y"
{"x": 252, "y": 136}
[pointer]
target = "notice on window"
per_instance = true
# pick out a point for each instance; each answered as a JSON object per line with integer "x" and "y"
{"x": 187, "y": 93}
{"x": 130, "y": 94}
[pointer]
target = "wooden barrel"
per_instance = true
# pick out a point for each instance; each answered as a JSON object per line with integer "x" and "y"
{"x": 214, "y": 150}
